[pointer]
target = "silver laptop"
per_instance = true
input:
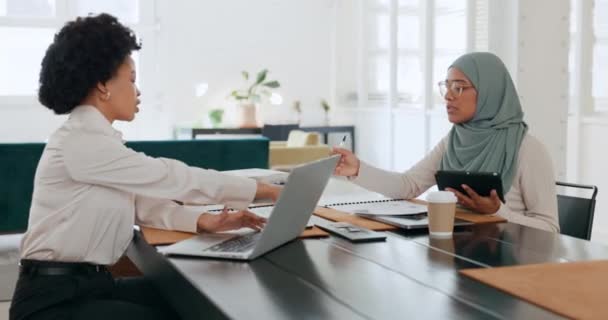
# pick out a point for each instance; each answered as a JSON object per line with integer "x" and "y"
{"x": 418, "y": 221}
{"x": 287, "y": 220}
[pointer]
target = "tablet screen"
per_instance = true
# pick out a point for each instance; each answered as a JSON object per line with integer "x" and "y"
{"x": 482, "y": 182}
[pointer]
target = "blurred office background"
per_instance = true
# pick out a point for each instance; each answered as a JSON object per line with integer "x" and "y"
{"x": 376, "y": 63}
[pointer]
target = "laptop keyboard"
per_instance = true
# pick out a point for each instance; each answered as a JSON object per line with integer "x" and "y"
{"x": 238, "y": 244}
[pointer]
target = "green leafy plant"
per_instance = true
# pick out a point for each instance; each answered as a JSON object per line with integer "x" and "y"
{"x": 216, "y": 115}
{"x": 257, "y": 90}
{"x": 297, "y": 106}
{"x": 325, "y": 105}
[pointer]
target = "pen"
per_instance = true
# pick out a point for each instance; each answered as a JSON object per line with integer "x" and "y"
{"x": 341, "y": 144}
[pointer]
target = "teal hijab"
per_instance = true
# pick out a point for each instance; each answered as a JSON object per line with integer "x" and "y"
{"x": 490, "y": 141}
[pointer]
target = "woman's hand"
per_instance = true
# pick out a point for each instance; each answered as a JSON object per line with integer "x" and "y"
{"x": 224, "y": 221}
{"x": 477, "y": 203}
{"x": 268, "y": 191}
{"x": 348, "y": 165}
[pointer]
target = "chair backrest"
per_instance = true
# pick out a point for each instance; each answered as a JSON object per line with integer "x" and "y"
{"x": 576, "y": 213}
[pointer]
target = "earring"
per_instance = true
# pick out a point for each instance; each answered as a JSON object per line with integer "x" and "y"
{"x": 107, "y": 96}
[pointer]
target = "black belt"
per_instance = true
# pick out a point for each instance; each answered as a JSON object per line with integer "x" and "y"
{"x": 53, "y": 268}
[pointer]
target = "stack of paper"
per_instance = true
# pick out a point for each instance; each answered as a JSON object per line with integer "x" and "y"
{"x": 384, "y": 208}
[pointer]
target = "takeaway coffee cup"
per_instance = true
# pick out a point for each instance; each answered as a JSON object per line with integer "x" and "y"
{"x": 441, "y": 211}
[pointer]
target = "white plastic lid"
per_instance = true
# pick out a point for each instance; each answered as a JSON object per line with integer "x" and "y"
{"x": 441, "y": 197}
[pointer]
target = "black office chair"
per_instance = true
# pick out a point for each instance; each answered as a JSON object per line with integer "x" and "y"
{"x": 576, "y": 213}
{"x": 278, "y": 132}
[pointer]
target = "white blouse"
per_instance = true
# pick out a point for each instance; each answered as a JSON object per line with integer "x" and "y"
{"x": 90, "y": 189}
{"x": 531, "y": 201}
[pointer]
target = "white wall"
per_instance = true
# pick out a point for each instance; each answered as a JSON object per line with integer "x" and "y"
{"x": 542, "y": 73}
{"x": 531, "y": 37}
{"x": 27, "y": 122}
{"x": 593, "y": 158}
{"x": 537, "y": 55}
{"x": 212, "y": 41}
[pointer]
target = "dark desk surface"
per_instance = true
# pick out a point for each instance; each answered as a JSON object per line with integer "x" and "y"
{"x": 408, "y": 276}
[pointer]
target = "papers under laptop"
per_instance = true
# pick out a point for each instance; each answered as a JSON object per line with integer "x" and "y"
{"x": 418, "y": 221}
{"x": 287, "y": 219}
{"x": 397, "y": 212}
{"x": 385, "y": 207}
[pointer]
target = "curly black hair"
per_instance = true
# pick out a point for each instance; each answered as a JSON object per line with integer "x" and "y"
{"x": 86, "y": 51}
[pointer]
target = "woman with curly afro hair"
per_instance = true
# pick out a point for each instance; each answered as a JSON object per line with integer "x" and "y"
{"x": 90, "y": 189}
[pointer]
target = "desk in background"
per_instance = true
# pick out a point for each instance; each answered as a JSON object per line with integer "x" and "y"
{"x": 323, "y": 130}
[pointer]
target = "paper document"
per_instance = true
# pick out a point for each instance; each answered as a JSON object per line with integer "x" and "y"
{"x": 383, "y": 207}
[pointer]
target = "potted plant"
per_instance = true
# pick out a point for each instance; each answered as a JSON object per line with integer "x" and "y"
{"x": 215, "y": 116}
{"x": 250, "y": 97}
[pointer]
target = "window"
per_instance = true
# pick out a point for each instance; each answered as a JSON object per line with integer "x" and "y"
{"x": 450, "y": 39}
{"x": 588, "y": 57}
{"x": 407, "y": 46}
{"x": 444, "y": 34}
{"x": 125, "y": 10}
{"x": 21, "y": 51}
{"x": 27, "y": 8}
{"x": 599, "y": 87}
{"x": 27, "y": 28}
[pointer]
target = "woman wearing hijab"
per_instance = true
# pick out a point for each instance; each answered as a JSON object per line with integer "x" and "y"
{"x": 488, "y": 135}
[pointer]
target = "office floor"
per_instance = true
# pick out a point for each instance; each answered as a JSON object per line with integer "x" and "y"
{"x": 4, "y": 310}
{"x": 9, "y": 259}
{"x": 598, "y": 237}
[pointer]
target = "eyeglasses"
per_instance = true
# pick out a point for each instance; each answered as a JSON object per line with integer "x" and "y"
{"x": 456, "y": 87}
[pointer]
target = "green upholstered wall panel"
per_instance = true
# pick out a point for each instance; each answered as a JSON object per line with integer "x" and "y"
{"x": 211, "y": 154}
{"x": 18, "y": 162}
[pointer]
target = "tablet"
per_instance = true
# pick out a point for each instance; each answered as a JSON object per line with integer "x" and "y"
{"x": 481, "y": 182}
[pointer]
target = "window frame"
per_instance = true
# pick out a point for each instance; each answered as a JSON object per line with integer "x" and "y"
{"x": 393, "y": 102}
{"x": 583, "y": 40}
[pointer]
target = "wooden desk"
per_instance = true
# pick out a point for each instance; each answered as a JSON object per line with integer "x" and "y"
{"x": 408, "y": 276}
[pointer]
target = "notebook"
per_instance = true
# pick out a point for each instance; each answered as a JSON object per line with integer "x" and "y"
{"x": 383, "y": 207}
